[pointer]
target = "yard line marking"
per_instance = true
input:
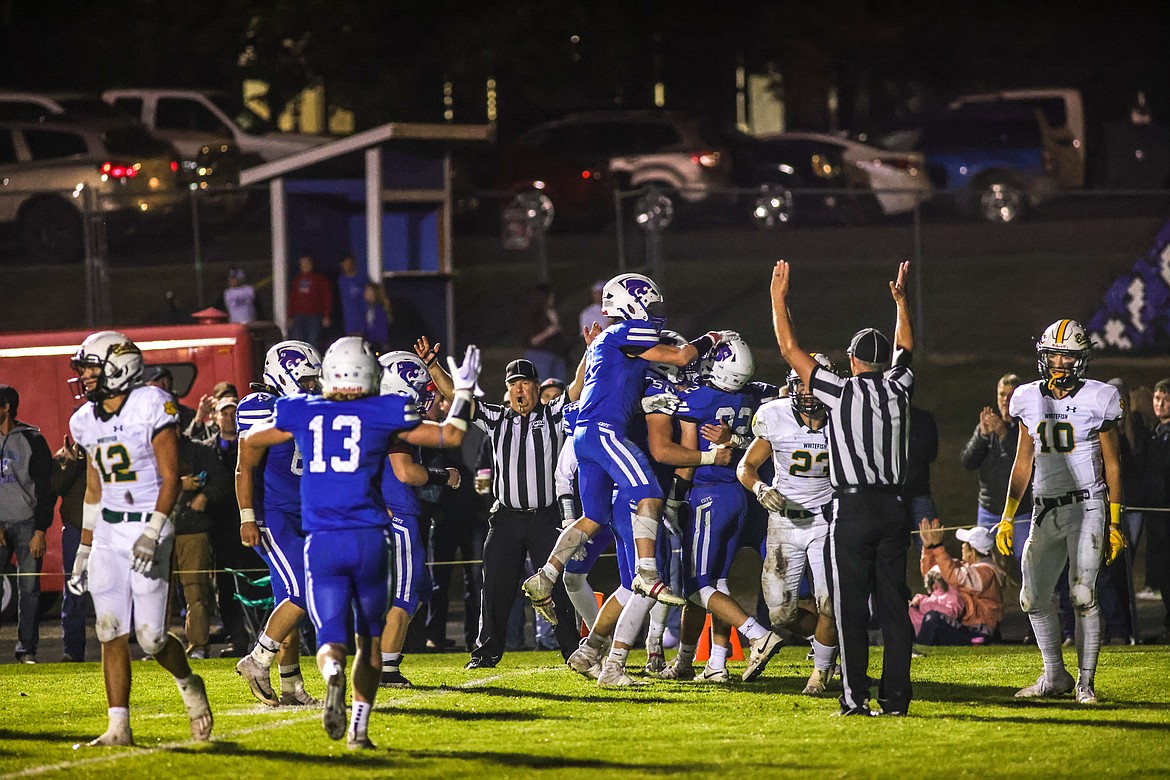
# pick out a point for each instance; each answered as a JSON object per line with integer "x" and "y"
{"x": 312, "y": 713}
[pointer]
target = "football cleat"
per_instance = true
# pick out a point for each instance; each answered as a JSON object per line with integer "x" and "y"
{"x": 651, "y": 586}
{"x": 818, "y": 681}
{"x": 585, "y": 660}
{"x": 298, "y": 697}
{"x": 655, "y": 660}
{"x": 714, "y": 675}
{"x": 257, "y": 677}
{"x": 393, "y": 678}
{"x": 198, "y": 709}
{"x": 1045, "y": 687}
{"x": 114, "y": 738}
{"x": 1085, "y": 693}
{"x": 539, "y": 591}
{"x": 358, "y": 742}
{"x": 333, "y": 716}
{"x": 678, "y": 670}
{"x": 613, "y": 675}
{"x": 762, "y": 651}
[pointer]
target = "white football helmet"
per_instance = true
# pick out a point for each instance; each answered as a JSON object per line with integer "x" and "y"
{"x": 118, "y": 357}
{"x": 293, "y": 368}
{"x": 672, "y": 374}
{"x": 633, "y": 297}
{"x": 729, "y": 365}
{"x": 350, "y": 367}
{"x": 805, "y": 401}
{"x": 1065, "y": 338}
{"x": 403, "y": 373}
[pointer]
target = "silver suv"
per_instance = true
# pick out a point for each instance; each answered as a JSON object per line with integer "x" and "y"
{"x": 47, "y": 167}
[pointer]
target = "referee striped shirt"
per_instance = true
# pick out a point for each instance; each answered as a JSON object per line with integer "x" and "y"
{"x": 869, "y": 423}
{"x": 524, "y": 452}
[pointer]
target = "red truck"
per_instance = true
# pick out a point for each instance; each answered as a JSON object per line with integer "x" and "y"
{"x": 37, "y": 365}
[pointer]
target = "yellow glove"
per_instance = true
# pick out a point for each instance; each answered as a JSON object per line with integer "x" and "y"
{"x": 1116, "y": 537}
{"x": 1003, "y": 535}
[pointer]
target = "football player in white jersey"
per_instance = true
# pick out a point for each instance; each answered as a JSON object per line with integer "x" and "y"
{"x": 129, "y": 432}
{"x": 791, "y": 431}
{"x": 1068, "y": 429}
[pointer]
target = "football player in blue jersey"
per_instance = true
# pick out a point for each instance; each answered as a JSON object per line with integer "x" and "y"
{"x": 270, "y": 521}
{"x": 719, "y": 508}
{"x": 403, "y": 373}
{"x": 345, "y": 437}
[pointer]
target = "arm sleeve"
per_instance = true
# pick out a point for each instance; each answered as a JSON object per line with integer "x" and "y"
{"x": 975, "y": 450}
{"x": 566, "y": 468}
{"x": 40, "y": 469}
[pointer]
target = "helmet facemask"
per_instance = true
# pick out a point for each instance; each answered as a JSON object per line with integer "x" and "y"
{"x": 1064, "y": 376}
{"x": 802, "y": 398}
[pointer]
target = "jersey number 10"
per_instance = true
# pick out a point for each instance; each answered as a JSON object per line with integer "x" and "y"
{"x": 1063, "y": 437}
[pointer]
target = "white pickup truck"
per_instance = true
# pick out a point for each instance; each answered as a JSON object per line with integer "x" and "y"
{"x": 192, "y": 119}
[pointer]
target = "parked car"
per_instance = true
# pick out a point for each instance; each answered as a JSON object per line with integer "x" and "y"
{"x": 49, "y": 106}
{"x": 993, "y": 164}
{"x": 193, "y": 119}
{"x": 579, "y": 160}
{"x": 815, "y": 176}
{"x": 46, "y": 169}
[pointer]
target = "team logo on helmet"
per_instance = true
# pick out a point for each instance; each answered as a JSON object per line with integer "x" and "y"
{"x": 290, "y": 358}
{"x": 636, "y": 287}
{"x": 410, "y": 372}
{"x": 722, "y": 352}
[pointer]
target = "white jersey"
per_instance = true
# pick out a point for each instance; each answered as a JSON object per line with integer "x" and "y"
{"x": 1066, "y": 434}
{"x": 800, "y": 455}
{"x": 121, "y": 449}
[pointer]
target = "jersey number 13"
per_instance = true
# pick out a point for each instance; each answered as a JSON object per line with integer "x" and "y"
{"x": 351, "y": 427}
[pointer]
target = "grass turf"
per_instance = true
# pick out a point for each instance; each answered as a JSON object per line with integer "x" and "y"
{"x": 531, "y": 717}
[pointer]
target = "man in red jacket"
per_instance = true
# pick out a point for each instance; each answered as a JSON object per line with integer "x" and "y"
{"x": 310, "y": 302}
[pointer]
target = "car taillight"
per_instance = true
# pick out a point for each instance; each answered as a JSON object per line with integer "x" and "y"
{"x": 708, "y": 159}
{"x": 174, "y": 166}
{"x": 588, "y": 174}
{"x": 117, "y": 170}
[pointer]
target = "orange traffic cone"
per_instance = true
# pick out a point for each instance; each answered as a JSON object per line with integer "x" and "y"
{"x": 600, "y": 600}
{"x": 703, "y": 651}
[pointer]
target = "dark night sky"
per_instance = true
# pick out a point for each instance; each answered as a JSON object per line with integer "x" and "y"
{"x": 387, "y": 60}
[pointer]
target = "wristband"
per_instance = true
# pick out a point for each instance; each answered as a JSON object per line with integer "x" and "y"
{"x": 437, "y": 476}
{"x": 568, "y": 508}
{"x": 703, "y": 344}
{"x": 156, "y": 523}
{"x": 679, "y": 488}
{"x": 759, "y": 487}
{"x": 89, "y": 516}
{"x": 707, "y": 458}
{"x": 460, "y": 412}
{"x": 1114, "y": 513}
{"x": 1010, "y": 507}
{"x": 84, "y": 549}
{"x": 933, "y": 546}
{"x": 247, "y": 515}
{"x": 739, "y": 441}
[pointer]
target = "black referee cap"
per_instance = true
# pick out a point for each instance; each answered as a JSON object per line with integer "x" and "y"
{"x": 870, "y": 346}
{"x": 521, "y": 369}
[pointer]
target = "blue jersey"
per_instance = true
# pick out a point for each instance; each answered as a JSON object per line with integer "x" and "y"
{"x": 703, "y": 404}
{"x": 345, "y": 445}
{"x": 614, "y": 379}
{"x": 400, "y": 498}
{"x": 279, "y": 489}
{"x": 569, "y": 417}
{"x": 640, "y": 435}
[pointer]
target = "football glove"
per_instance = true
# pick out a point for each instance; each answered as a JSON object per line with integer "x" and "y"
{"x": 142, "y": 553}
{"x": 78, "y": 582}
{"x": 769, "y": 497}
{"x": 1003, "y": 535}
{"x": 664, "y": 402}
{"x": 1116, "y": 543}
{"x": 464, "y": 376}
{"x": 670, "y": 516}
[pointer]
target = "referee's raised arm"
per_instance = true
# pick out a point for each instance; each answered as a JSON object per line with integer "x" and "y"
{"x": 798, "y": 360}
{"x": 903, "y": 332}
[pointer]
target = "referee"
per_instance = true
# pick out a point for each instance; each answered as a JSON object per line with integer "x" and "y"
{"x": 869, "y": 531}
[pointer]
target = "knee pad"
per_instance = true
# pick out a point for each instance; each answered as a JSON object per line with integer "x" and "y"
{"x": 784, "y": 613}
{"x": 825, "y": 606}
{"x": 107, "y": 628}
{"x": 622, "y": 594}
{"x": 1082, "y": 596}
{"x": 151, "y": 640}
{"x": 645, "y": 527}
{"x": 569, "y": 543}
{"x": 574, "y": 582}
{"x": 705, "y": 595}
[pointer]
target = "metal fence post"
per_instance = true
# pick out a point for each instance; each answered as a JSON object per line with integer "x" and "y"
{"x": 197, "y": 246}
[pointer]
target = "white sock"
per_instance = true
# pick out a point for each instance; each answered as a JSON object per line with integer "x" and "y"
{"x": 550, "y": 572}
{"x": 752, "y": 630}
{"x": 182, "y": 683}
{"x": 619, "y": 654}
{"x": 391, "y": 661}
{"x": 119, "y": 718}
{"x": 596, "y": 641}
{"x": 1088, "y": 640}
{"x": 686, "y": 654}
{"x": 823, "y": 655}
{"x": 582, "y": 597}
{"x": 290, "y": 678}
{"x": 647, "y": 566}
{"x": 718, "y": 658}
{"x": 658, "y": 615}
{"x": 359, "y": 720}
{"x": 633, "y": 617}
{"x": 330, "y": 669}
{"x": 264, "y": 653}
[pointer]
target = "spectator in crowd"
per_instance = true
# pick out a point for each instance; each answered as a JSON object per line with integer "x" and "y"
{"x": 592, "y": 313}
{"x": 351, "y": 290}
{"x": 976, "y": 578}
{"x": 68, "y": 484}
{"x": 26, "y": 511}
{"x": 991, "y": 451}
{"x": 310, "y": 303}
{"x": 551, "y": 388}
{"x": 162, "y": 378}
{"x": 239, "y": 298}
{"x": 203, "y": 428}
{"x": 1158, "y": 495}
{"x": 546, "y": 341}
{"x": 921, "y": 452}
{"x": 939, "y": 598}
{"x": 204, "y": 482}
{"x": 376, "y": 316}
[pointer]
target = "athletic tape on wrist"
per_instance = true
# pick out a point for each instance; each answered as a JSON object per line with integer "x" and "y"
{"x": 707, "y": 458}
{"x": 89, "y": 516}
{"x": 437, "y": 476}
{"x": 156, "y": 522}
{"x": 247, "y": 515}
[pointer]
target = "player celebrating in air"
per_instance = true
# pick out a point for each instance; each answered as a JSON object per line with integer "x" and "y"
{"x": 129, "y": 432}
{"x": 345, "y": 437}
{"x": 791, "y": 432}
{"x": 270, "y": 521}
{"x": 1068, "y": 430}
{"x": 614, "y": 383}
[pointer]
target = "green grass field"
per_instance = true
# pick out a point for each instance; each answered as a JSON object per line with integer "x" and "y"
{"x": 531, "y": 716}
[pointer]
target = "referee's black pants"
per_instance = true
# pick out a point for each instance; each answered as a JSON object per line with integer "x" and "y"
{"x": 869, "y": 534}
{"x": 511, "y": 536}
